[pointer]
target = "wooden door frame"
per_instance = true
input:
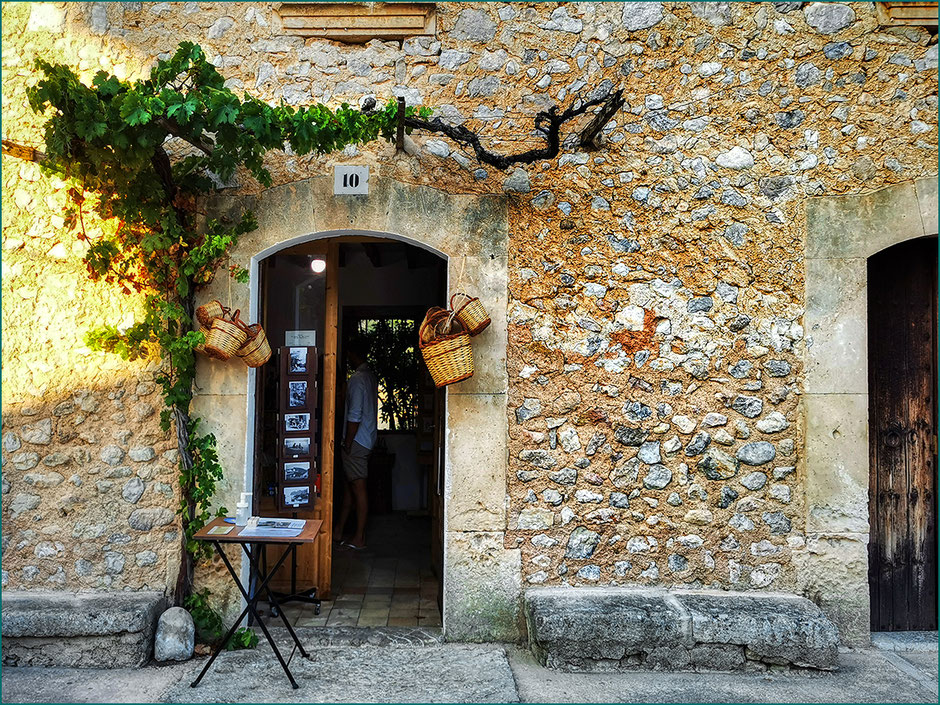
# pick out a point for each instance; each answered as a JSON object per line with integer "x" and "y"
{"x": 842, "y": 232}
{"x": 330, "y": 372}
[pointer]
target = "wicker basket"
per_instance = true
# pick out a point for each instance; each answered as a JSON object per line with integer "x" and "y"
{"x": 445, "y": 346}
{"x": 470, "y": 312}
{"x": 207, "y": 312}
{"x": 201, "y": 348}
{"x": 225, "y": 337}
{"x": 256, "y": 351}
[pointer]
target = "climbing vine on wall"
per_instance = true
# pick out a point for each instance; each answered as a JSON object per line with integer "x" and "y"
{"x": 140, "y": 154}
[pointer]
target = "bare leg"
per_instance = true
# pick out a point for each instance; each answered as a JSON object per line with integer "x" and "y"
{"x": 362, "y": 508}
{"x": 347, "y": 506}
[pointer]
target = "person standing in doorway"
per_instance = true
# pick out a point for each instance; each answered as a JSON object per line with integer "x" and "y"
{"x": 359, "y": 436}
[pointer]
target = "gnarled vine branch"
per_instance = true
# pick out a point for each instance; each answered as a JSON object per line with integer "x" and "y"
{"x": 547, "y": 122}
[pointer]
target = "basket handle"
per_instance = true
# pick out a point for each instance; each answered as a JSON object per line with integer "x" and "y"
{"x": 446, "y": 328}
{"x": 424, "y": 325}
{"x": 433, "y": 320}
{"x": 239, "y": 323}
{"x": 432, "y": 315}
{"x": 463, "y": 304}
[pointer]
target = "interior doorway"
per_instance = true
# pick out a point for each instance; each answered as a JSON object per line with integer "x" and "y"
{"x": 313, "y": 298}
{"x": 902, "y": 347}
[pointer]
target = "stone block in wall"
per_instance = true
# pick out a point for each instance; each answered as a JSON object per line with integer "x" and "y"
{"x": 482, "y": 592}
{"x": 79, "y": 630}
{"x": 609, "y": 629}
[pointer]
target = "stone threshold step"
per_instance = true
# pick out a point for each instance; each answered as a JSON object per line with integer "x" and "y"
{"x": 924, "y": 642}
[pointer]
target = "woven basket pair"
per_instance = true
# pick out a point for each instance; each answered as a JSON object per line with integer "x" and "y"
{"x": 445, "y": 345}
{"x": 470, "y": 312}
{"x": 228, "y": 336}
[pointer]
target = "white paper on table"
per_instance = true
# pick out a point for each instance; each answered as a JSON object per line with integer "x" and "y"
{"x": 278, "y": 523}
{"x": 264, "y": 532}
{"x": 273, "y": 527}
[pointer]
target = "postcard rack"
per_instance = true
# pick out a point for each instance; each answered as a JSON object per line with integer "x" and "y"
{"x": 298, "y": 477}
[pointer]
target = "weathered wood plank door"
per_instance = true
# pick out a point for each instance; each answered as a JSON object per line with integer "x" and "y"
{"x": 902, "y": 387}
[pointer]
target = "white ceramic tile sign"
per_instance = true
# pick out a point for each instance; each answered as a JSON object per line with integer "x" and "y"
{"x": 350, "y": 180}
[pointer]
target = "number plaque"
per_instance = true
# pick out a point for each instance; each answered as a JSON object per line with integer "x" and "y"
{"x": 350, "y": 180}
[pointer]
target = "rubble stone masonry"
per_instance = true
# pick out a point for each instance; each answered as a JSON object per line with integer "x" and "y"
{"x": 656, "y": 285}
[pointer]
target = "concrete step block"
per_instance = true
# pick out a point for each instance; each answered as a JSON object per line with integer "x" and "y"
{"x": 617, "y": 628}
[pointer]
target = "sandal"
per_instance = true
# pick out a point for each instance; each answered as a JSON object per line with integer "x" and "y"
{"x": 350, "y": 544}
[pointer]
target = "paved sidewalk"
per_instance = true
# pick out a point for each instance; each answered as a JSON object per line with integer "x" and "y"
{"x": 425, "y": 670}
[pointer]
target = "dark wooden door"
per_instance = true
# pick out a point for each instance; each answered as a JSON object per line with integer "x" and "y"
{"x": 902, "y": 387}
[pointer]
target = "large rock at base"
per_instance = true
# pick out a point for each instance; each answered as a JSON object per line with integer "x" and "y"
{"x": 613, "y": 628}
{"x": 176, "y": 636}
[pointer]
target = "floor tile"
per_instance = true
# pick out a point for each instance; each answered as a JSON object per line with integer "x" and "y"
{"x": 312, "y": 621}
{"x": 372, "y": 619}
{"x": 404, "y": 612}
{"x": 337, "y": 620}
{"x": 392, "y": 580}
{"x": 402, "y": 621}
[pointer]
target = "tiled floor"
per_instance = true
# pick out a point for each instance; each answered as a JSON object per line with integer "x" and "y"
{"x": 390, "y": 583}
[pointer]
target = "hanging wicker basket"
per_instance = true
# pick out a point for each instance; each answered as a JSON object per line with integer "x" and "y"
{"x": 470, "y": 312}
{"x": 256, "y": 351}
{"x": 201, "y": 348}
{"x": 207, "y": 312}
{"x": 445, "y": 346}
{"x": 226, "y": 336}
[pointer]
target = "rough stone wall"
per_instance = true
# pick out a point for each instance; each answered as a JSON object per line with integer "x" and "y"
{"x": 656, "y": 285}
{"x": 89, "y": 479}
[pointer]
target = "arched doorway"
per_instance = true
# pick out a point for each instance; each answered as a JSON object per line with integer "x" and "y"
{"x": 472, "y": 232}
{"x": 902, "y": 395}
{"x": 314, "y": 298}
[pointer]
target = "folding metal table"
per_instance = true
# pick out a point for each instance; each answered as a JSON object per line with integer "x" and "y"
{"x": 263, "y": 576}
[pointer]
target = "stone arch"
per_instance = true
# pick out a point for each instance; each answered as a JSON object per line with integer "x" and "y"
{"x": 842, "y": 232}
{"x": 472, "y": 234}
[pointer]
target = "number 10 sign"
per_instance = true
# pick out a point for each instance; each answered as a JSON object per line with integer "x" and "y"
{"x": 350, "y": 180}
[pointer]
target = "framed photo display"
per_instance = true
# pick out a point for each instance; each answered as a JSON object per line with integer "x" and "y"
{"x": 296, "y": 471}
{"x": 298, "y": 447}
{"x": 298, "y": 496}
{"x": 299, "y": 362}
{"x": 297, "y": 423}
{"x": 297, "y": 475}
{"x": 297, "y": 396}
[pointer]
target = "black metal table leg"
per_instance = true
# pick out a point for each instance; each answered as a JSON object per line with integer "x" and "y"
{"x": 273, "y": 599}
{"x": 307, "y": 596}
{"x": 250, "y": 607}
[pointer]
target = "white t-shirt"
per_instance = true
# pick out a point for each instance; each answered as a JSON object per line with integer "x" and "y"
{"x": 362, "y": 405}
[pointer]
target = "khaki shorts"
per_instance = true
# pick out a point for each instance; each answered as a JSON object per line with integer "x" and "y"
{"x": 356, "y": 462}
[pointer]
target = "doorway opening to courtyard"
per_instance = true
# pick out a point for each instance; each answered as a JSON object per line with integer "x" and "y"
{"x": 902, "y": 388}
{"x": 314, "y": 298}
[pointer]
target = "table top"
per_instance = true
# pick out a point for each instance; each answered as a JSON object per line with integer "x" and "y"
{"x": 307, "y": 535}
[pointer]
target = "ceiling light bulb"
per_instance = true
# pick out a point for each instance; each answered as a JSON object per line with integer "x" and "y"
{"x": 318, "y": 266}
